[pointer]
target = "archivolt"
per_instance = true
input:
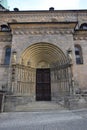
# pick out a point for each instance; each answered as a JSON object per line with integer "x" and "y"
{"x": 42, "y": 53}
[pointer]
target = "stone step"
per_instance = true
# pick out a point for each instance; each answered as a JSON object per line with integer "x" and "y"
{"x": 40, "y": 106}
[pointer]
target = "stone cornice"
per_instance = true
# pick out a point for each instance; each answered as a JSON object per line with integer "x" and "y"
{"x": 43, "y": 24}
{"x": 43, "y": 14}
{"x": 38, "y": 16}
{"x": 32, "y": 12}
{"x": 80, "y": 35}
{"x": 5, "y": 36}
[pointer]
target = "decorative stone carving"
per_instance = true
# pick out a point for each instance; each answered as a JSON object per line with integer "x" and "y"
{"x": 14, "y": 55}
{"x": 80, "y": 38}
{"x": 42, "y": 31}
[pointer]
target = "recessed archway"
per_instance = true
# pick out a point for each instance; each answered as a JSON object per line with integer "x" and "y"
{"x": 42, "y": 55}
{"x": 43, "y": 72}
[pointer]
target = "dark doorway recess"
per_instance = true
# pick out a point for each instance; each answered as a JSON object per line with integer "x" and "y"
{"x": 43, "y": 86}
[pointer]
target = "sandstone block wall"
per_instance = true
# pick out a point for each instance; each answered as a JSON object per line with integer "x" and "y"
{"x": 20, "y": 41}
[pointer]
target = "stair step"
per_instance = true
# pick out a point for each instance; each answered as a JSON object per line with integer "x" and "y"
{"x": 39, "y": 106}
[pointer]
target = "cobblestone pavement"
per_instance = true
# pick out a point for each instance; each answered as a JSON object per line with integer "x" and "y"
{"x": 52, "y": 120}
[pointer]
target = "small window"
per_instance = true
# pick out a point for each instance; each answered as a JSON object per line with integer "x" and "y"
{"x": 78, "y": 54}
{"x": 83, "y": 26}
{"x": 4, "y": 28}
{"x": 7, "y": 56}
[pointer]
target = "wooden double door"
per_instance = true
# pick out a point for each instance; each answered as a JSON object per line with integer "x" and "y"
{"x": 43, "y": 85}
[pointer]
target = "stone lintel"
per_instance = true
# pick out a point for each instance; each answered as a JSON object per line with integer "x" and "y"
{"x": 60, "y": 25}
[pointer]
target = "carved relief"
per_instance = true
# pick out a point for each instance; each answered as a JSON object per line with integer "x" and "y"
{"x": 42, "y": 31}
{"x": 25, "y": 79}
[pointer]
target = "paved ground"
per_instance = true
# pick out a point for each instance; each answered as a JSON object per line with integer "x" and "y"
{"x": 51, "y": 120}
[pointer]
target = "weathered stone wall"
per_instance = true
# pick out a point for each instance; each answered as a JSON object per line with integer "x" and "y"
{"x": 5, "y": 41}
{"x": 22, "y": 38}
{"x": 11, "y": 102}
{"x": 22, "y": 42}
{"x": 80, "y": 69}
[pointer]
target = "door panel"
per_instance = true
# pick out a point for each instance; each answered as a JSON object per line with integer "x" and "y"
{"x": 43, "y": 88}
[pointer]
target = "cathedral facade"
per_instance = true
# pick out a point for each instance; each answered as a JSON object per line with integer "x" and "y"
{"x": 43, "y": 55}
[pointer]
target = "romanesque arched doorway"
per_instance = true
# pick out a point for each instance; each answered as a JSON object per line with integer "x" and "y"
{"x": 43, "y": 72}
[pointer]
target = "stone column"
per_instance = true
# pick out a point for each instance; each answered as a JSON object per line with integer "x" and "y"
{"x": 13, "y": 72}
